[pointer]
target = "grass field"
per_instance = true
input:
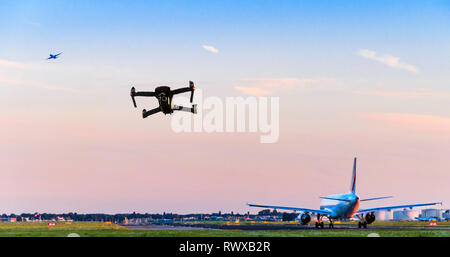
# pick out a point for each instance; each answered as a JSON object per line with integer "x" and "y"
{"x": 97, "y": 229}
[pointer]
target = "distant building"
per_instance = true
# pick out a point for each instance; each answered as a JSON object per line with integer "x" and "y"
{"x": 446, "y": 215}
{"x": 406, "y": 214}
{"x": 8, "y": 219}
{"x": 269, "y": 218}
{"x": 166, "y": 221}
{"x": 190, "y": 218}
{"x": 435, "y": 213}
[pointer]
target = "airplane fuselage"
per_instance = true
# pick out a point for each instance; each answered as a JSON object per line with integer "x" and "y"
{"x": 341, "y": 209}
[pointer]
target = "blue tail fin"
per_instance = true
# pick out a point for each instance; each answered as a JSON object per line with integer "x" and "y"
{"x": 353, "y": 183}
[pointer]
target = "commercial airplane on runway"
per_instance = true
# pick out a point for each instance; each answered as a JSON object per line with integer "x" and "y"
{"x": 342, "y": 206}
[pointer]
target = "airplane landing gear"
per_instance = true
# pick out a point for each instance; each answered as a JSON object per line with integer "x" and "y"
{"x": 362, "y": 224}
{"x": 319, "y": 224}
{"x": 331, "y": 223}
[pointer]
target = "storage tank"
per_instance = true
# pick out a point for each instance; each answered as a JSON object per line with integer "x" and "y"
{"x": 406, "y": 214}
{"x": 383, "y": 215}
{"x": 432, "y": 213}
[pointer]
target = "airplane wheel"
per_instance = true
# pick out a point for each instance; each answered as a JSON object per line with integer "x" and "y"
{"x": 359, "y": 224}
{"x": 321, "y": 224}
{"x": 317, "y": 225}
{"x": 364, "y": 224}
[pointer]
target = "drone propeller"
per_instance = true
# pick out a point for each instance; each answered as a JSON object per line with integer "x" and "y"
{"x": 191, "y": 85}
{"x": 132, "y": 94}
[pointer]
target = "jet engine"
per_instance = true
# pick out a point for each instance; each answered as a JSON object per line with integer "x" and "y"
{"x": 370, "y": 217}
{"x": 305, "y": 218}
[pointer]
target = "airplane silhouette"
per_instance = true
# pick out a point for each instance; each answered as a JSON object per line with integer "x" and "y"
{"x": 53, "y": 56}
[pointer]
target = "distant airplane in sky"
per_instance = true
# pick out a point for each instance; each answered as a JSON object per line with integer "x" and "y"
{"x": 53, "y": 56}
{"x": 342, "y": 206}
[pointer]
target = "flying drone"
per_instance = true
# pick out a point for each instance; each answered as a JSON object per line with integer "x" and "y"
{"x": 165, "y": 96}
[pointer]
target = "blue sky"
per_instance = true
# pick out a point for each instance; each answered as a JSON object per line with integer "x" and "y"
{"x": 253, "y": 34}
{"x": 354, "y": 78}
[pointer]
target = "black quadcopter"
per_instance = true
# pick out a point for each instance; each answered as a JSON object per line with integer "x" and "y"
{"x": 165, "y": 96}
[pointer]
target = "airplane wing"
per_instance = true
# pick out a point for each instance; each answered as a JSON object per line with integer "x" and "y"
{"x": 388, "y": 208}
{"x": 58, "y": 54}
{"x": 322, "y": 212}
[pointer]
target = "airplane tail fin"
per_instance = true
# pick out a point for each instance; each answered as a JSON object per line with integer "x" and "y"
{"x": 353, "y": 182}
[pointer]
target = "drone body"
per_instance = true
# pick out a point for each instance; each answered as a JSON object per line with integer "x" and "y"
{"x": 165, "y": 96}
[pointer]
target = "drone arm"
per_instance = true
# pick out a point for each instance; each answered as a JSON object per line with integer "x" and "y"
{"x": 145, "y": 113}
{"x": 133, "y": 94}
{"x": 144, "y": 94}
{"x": 181, "y": 90}
{"x": 191, "y": 89}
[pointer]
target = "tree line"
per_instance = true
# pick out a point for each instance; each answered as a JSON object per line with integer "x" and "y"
{"x": 120, "y": 218}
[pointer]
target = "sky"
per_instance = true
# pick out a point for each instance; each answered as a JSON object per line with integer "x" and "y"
{"x": 365, "y": 79}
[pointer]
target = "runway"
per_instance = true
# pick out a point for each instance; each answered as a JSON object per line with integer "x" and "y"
{"x": 162, "y": 227}
{"x": 187, "y": 226}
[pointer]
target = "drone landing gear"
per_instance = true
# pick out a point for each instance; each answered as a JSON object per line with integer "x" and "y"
{"x": 193, "y": 109}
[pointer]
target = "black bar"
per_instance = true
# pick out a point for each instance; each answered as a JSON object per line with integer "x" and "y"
{"x": 228, "y": 246}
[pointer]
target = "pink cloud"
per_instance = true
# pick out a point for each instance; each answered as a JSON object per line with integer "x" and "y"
{"x": 409, "y": 121}
{"x": 211, "y": 49}
{"x": 21, "y": 82}
{"x": 389, "y": 60}
{"x": 11, "y": 64}
{"x": 266, "y": 86}
{"x": 415, "y": 93}
{"x": 254, "y": 91}
{"x": 282, "y": 83}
